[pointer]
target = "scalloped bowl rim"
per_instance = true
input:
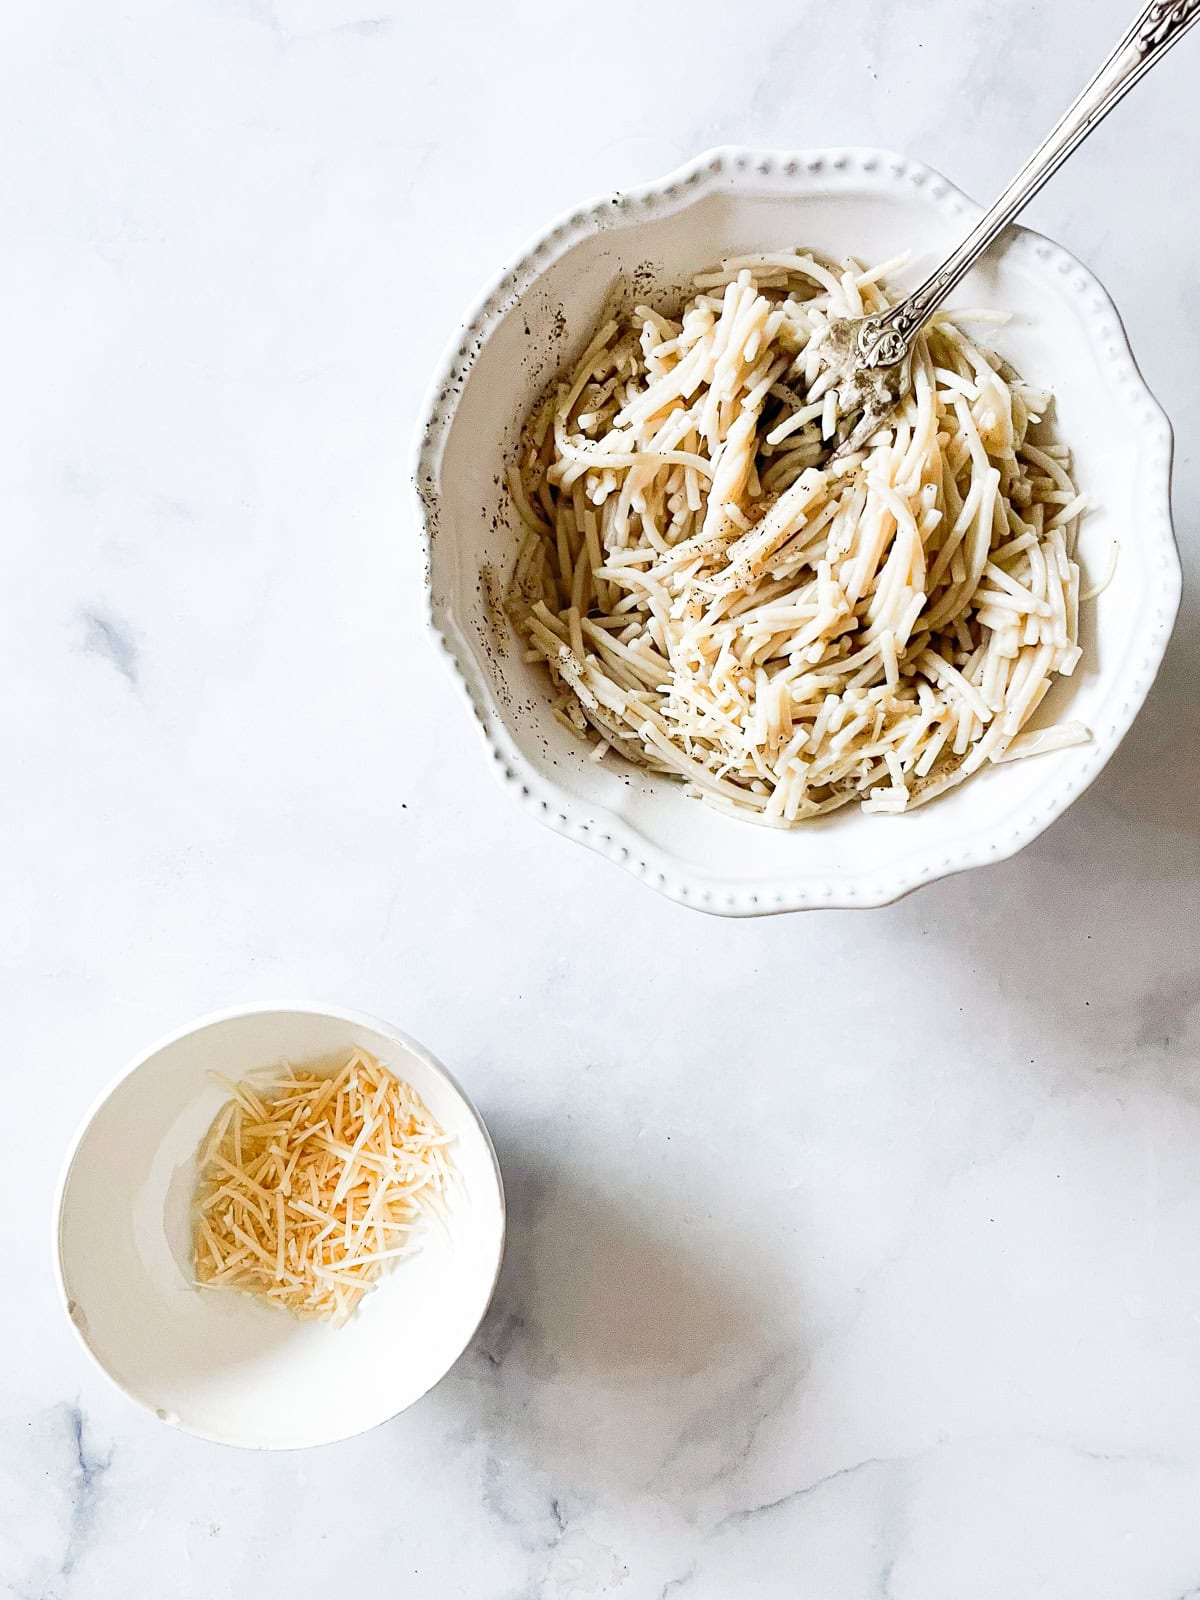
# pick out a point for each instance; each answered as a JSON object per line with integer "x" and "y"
{"x": 603, "y": 831}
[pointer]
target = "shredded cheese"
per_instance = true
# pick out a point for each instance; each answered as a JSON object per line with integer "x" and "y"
{"x": 712, "y": 597}
{"x": 310, "y": 1186}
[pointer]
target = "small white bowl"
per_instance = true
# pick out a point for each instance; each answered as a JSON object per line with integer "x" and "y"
{"x": 1065, "y": 334}
{"x": 222, "y": 1365}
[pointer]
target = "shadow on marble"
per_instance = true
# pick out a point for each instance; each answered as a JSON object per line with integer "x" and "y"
{"x": 1103, "y": 906}
{"x": 618, "y": 1353}
{"x": 1153, "y": 776}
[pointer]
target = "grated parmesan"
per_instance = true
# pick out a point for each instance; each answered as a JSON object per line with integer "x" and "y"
{"x": 311, "y": 1186}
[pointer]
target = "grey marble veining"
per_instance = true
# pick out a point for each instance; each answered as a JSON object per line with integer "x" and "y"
{"x": 872, "y": 1277}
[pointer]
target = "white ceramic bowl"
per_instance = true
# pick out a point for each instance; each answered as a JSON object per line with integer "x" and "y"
{"x": 220, "y": 1365}
{"x": 1065, "y": 334}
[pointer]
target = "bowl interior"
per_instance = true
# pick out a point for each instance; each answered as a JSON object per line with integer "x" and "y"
{"x": 221, "y": 1364}
{"x": 1063, "y": 333}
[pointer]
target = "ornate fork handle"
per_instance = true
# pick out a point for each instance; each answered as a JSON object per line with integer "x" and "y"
{"x": 885, "y": 340}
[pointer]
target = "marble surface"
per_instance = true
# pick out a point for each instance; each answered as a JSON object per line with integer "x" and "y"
{"x": 853, "y": 1256}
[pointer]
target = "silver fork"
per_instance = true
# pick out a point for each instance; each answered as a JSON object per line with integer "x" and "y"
{"x": 871, "y": 356}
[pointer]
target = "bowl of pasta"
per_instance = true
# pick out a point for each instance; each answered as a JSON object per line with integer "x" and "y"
{"x": 759, "y": 673}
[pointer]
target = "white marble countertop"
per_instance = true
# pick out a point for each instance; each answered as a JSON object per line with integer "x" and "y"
{"x": 874, "y": 1277}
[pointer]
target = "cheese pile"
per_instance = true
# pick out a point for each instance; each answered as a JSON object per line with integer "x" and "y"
{"x": 311, "y": 1186}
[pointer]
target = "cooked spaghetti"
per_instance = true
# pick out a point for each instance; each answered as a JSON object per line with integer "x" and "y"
{"x": 310, "y": 1186}
{"x": 715, "y": 598}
